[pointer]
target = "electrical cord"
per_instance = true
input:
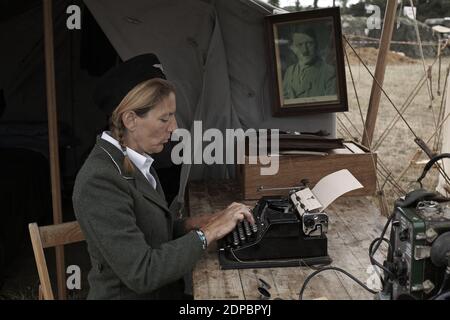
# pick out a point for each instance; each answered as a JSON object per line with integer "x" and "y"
{"x": 443, "y": 296}
{"x": 441, "y": 289}
{"x": 378, "y": 241}
{"x": 385, "y": 240}
{"x": 300, "y": 262}
{"x": 375, "y": 262}
{"x": 372, "y": 250}
{"x": 300, "y": 296}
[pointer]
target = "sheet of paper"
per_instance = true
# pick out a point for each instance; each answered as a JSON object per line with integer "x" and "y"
{"x": 335, "y": 185}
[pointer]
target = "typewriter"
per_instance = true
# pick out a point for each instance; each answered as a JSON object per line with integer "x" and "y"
{"x": 285, "y": 234}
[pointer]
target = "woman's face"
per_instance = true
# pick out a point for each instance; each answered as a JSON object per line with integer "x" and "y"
{"x": 149, "y": 133}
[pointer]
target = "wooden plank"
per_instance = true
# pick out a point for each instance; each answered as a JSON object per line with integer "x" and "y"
{"x": 45, "y": 287}
{"x": 292, "y": 169}
{"x": 348, "y": 261}
{"x": 353, "y": 147}
{"x": 53, "y": 139}
{"x": 375, "y": 94}
{"x": 210, "y": 281}
{"x": 419, "y": 163}
{"x": 354, "y": 222}
{"x": 358, "y": 222}
{"x": 340, "y": 253}
{"x": 213, "y": 283}
{"x": 61, "y": 234}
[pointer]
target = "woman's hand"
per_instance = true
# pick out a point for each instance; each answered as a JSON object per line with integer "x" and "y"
{"x": 223, "y": 222}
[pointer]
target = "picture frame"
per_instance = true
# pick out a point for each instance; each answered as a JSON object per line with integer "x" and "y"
{"x": 306, "y": 62}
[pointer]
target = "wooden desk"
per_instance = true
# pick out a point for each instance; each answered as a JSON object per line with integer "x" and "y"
{"x": 354, "y": 223}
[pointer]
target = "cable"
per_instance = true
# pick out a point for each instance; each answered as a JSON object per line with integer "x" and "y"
{"x": 385, "y": 240}
{"x": 441, "y": 289}
{"x": 429, "y": 164}
{"x": 378, "y": 241}
{"x": 300, "y": 296}
{"x": 300, "y": 262}
{"x": 375, "y": 262}
{"x": 444, "y": 296}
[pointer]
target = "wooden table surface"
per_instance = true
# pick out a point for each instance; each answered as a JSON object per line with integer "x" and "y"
{"x": 353, "y": 223}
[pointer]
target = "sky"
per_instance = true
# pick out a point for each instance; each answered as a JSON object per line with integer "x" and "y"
{"x": 305, "y": 3}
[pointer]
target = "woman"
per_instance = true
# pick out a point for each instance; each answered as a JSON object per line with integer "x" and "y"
{"x": 138, "y": 249}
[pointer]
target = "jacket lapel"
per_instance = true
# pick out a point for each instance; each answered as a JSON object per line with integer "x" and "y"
{"x": 159, "y": 188}
{"x": 147, "y": 190}
{"x": 140, "y": 182}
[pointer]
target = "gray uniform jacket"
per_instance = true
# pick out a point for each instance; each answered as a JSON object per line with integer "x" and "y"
{"x": 137, "y": 247}
{"x": 318, "y": 79}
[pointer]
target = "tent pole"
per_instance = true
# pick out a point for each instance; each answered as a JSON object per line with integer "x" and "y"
{"x": 53, "y": 140}
{"x": 385, "y": 42}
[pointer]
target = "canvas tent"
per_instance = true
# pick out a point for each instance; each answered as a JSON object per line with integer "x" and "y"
{"x": 213, "y": 50}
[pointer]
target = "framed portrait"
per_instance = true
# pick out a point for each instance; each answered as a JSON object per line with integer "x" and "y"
{"x": 307, "y": 62}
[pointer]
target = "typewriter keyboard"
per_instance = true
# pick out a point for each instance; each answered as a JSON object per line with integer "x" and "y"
{"x": 242, "y": 234}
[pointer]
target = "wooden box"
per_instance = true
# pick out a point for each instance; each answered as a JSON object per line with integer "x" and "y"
{"x": 294, "y": 168}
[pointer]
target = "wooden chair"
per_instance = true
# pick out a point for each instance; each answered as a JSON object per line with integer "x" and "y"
{"x": 51, "y": 236}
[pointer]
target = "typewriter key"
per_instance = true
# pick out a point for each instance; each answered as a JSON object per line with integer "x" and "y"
{"x": 248, "y": 232}
{"x": 241, "y": 231}
{"x": 235, "y": 238}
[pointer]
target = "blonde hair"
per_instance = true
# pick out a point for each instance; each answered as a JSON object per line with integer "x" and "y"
{"x": 141, "y": 99}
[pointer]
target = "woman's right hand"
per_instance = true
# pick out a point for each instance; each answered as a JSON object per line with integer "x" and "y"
{"x": 226, "y": 220}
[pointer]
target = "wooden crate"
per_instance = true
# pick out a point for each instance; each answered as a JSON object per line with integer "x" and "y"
{"x": 293, "y": 168}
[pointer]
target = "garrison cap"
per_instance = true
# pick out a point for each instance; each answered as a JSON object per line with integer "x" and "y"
{"x": 121, "y": 79}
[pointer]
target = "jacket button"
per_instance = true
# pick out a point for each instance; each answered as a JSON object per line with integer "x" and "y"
{"x": 99, "y": 267}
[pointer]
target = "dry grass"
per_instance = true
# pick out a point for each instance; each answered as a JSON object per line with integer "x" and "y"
{"x": 399, "y": 147}
{"x": 369, "y": 56}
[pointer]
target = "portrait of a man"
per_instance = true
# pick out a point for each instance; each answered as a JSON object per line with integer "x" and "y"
{"x": 309, "y": 76}
{"x": 307, "y": 68}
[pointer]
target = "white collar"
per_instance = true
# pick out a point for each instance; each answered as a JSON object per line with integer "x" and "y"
{"x": 142, "y": 161}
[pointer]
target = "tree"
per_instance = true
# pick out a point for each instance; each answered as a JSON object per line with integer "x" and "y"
{"x": 359, "y": 9}
{"x": 297, "y": 5}
{"x": 275, "y": 3}
{"x": 432, "y": 9}
{"x": 425, "y": 8}
{"x": 315, "y": 3}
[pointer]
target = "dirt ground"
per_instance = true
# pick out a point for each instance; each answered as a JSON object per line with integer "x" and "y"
{"x": 395, "y": 153}
{"x": 398, "y": 148}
